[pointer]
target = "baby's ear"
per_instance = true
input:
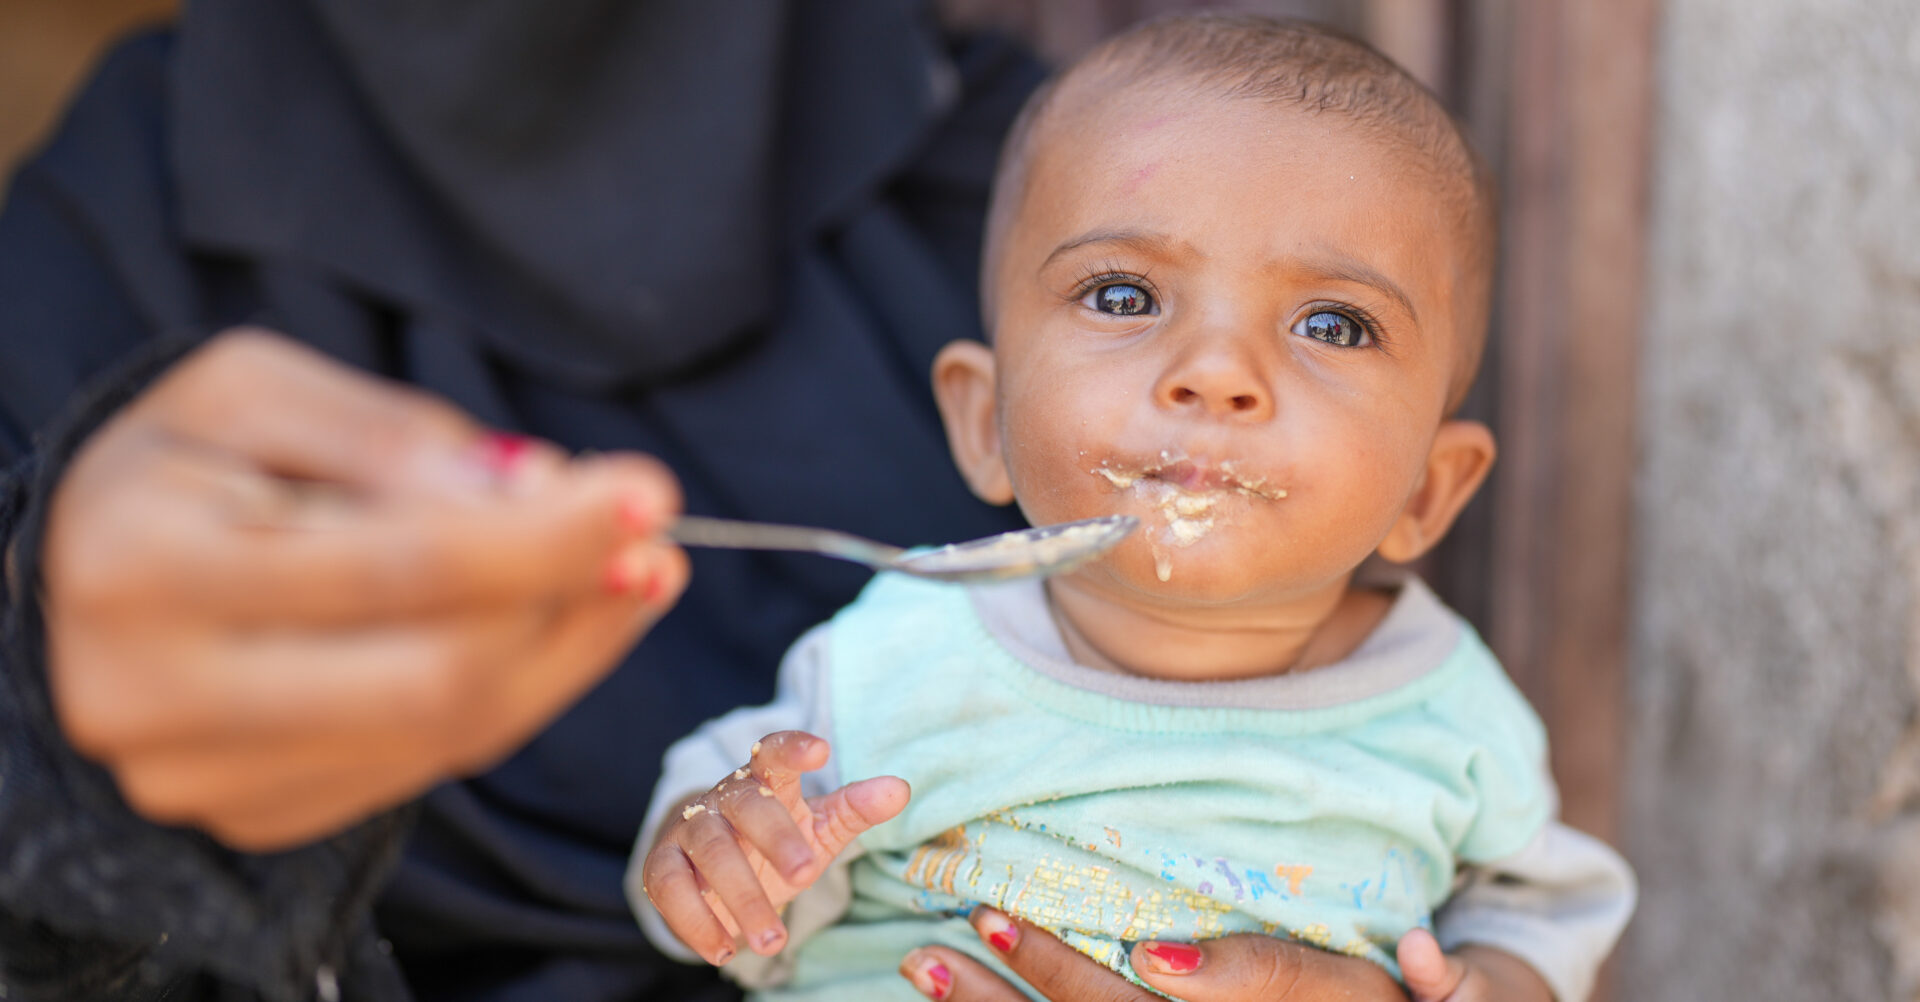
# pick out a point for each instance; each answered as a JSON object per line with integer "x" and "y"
{"x": 1462, "y": 454}
{"x": 963, "y": 385}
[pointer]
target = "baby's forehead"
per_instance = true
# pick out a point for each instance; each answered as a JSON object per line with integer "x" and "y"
{"x": 1389, "y": 140}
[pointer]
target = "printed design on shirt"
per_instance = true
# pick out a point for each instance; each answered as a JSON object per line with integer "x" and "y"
{"x": 935, "y": 862}
{"x": 1101, "y": 894}
{"x": 1293, "y": 874}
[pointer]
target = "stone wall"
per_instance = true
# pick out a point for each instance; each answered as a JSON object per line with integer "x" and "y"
{"x": 1773, "y": 790}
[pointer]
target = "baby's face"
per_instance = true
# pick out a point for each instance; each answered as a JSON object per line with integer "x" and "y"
{"x": 1233, "y": 320}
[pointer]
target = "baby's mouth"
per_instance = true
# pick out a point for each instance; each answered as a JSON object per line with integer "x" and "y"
{"x": 1186, "y": 493}
{"x": 1190, "y": 477}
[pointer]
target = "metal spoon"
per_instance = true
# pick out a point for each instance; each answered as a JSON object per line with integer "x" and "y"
{"x": 1038, "y": 552}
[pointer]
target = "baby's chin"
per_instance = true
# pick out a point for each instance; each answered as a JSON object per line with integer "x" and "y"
{"x": 1215, "y": 569}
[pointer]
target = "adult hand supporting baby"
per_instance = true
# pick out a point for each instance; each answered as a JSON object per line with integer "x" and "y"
{"x": 281, "y": 595}
{"x": 1245, "y": 968}
{"x": 1242, "y": 968}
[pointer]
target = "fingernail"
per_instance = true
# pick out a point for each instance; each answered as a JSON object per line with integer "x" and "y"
{"x": 627, "y": 573}
{"x": 637, "y": 515}
{"x": 656, "y": 583}
{"x": 768, "y": 939}
{"x": 502, "y": 452}
{"x": 1171, "y": 958}
{"x": 725, "y": 954}
{"x": 929, "y": 976}
{"x": 999, "y": 930}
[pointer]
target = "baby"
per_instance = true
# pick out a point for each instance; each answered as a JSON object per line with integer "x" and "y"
{"x": 1236, "y": 280}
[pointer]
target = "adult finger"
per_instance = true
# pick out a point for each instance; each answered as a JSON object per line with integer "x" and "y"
{"x": 395, "y": 694}
{"x": 402, "y": 561}
{"x": 292, "y": 411}
{"x": 152, "y": 533}
{"x": 1252, "y": 966}
{"x": 366, "y": 689}
{"x": 312, "y": 803}
{"x": 1052, "y": 968}
{"x": 587, "y": 641}
{"x": 951, "y": 976}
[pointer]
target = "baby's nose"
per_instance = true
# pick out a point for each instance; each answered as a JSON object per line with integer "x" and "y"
{"x": 1217, "y": 381}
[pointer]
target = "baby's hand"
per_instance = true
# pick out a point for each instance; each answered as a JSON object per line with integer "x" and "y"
{"x": 735, "y": 855}
{"x": 1475, "y": 974}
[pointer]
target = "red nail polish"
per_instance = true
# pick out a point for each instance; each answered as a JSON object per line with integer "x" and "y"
{"x": 1173, "y": 958}
{"x": 501, "y": 452}
{"x": 942, "y": 980}
{"x": 1005, "y": 937}
{"x": 618, "y": 579}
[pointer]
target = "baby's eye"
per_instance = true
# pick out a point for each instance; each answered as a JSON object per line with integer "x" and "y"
{"x": 1121, "y": 300}
{"x": 1333, "y": 328}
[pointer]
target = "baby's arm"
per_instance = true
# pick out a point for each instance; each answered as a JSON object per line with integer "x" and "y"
{"x": 1535, "y": 925}
{"x": 732, "y": 857}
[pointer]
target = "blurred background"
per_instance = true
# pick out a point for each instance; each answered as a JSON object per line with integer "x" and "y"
{"x": 1700, "y": 556}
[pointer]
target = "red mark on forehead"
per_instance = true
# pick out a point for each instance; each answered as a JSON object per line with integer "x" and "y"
{"x": 1137, "y": 130}
{"x": 1138, "y": 178}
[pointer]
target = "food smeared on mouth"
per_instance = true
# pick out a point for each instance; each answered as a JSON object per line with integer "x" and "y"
{"x": 1187, "y": 495}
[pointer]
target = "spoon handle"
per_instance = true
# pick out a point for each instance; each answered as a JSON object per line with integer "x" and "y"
{"x": 729, "y": 534}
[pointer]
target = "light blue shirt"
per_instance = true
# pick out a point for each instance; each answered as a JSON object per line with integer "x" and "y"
{"x": 1333, "y": 807}
{"x": 1227, "y": 807}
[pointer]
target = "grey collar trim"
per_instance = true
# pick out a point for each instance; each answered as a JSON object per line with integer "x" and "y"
{"x": 1417, "y": 635}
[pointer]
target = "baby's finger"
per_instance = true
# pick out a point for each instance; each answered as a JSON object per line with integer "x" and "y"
{"x": 766, "y": 824}
{"x": 839, "y": 817}
{"x": 674, "y": 889}
{"x": 1430, "y": 975}
{"x": 778, "y": 759}
{"x": 715, "y": 851}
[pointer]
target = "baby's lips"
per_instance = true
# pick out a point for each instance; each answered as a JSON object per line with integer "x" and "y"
{"x": 1192, "y": 476}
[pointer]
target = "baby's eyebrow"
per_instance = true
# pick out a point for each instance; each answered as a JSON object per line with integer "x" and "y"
{"x": 1342, "y": 268}
{"x": 1155, "y": 243}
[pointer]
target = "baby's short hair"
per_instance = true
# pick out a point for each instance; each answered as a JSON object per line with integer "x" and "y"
{"x": 1295, "y": 63}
